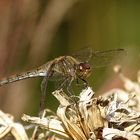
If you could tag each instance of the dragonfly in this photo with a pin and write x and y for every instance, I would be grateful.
(67, 68)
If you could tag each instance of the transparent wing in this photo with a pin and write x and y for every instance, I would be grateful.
(104, 58)
(83, 55)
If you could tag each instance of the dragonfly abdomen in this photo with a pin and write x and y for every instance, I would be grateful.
(11, 79)
(21, 76)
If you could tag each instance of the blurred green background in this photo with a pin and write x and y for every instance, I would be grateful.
(33, 32)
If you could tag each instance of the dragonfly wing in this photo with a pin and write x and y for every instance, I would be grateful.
(104, 58)
(84, 55)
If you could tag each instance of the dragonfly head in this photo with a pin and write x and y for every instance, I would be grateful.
(83, 70)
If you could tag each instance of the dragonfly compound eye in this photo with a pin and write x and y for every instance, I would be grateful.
(84, 66)
(83, 70)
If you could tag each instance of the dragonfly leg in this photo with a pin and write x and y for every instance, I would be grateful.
(67, 83)
(78, 82)
(85, 82)
(69, 87)
(63, 83)
(43, 95)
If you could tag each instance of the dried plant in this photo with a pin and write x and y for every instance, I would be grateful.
(114, 116)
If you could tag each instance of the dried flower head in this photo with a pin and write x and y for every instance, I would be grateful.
(113, 116)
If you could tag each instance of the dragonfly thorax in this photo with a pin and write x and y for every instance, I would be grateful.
(83, 70)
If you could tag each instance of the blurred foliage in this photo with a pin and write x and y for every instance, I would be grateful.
(33, 32)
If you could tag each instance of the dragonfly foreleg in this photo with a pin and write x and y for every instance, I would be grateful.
(69, 87)
(85, 82)
(65, 83)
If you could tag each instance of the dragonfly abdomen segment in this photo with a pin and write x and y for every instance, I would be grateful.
(21, 76)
